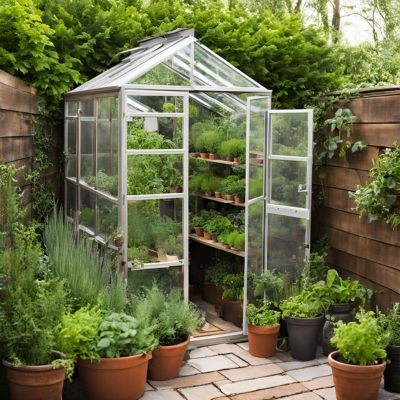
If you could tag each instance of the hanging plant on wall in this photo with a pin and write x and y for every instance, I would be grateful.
(379, 199)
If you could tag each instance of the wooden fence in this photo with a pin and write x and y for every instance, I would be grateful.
(369, 252)
(18, 104)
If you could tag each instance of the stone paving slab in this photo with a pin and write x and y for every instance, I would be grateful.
(307, 374)
(216, 363)
(255, 384)
(244, 345)
(188, 381)
(202, 352)
(206, 392)
(290, 365)
(319, 383)
(303, 396)
(246, 356)
(161, 395)
(327, 393)
(187, 370)
(259, 371)
(237, 360)
(227, 348)
(272, 393)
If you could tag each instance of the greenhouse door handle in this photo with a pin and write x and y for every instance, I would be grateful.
(301, 190)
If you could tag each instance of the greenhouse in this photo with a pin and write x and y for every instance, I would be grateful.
(158, 144)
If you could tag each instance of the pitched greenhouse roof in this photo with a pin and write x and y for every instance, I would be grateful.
(173, 59)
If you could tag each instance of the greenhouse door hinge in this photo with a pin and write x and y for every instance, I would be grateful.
(306, 246)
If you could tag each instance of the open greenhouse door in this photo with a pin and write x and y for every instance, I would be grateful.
(278, 196)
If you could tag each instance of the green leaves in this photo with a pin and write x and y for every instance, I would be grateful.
(262, 315)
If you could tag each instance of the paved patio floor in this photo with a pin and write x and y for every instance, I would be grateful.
(228, 371)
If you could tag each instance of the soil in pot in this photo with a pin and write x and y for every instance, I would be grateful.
(355, 382)
(166, 361)
(114, 378)
(262, 340)
(392, 371)
(303, 336)
(35, 382)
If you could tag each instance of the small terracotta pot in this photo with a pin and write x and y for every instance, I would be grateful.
(239, 200)
(236, 159)
(230, 197)
(114, 378)
(262, 340)
(209, 194)
(204, 155)
(226, 246)
(207, 235)
(218, 195)
(35, 382)
(199, 231)
(214, 237)
(214, 156)
(166, 361)
(228, 158)
(356, 382)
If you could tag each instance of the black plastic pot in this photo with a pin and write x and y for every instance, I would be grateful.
(392, 371)
(303, 336)
(340, 312)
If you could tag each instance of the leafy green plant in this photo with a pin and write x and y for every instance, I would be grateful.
(138, 255)
(263, 315)
(298, 307)
(239, 241)
(218, 224)
(232, 238)
(390, 324)
(232, 147)
(223, 237)
(171, 318)
(238, 189)
(235, 283)
(208, 142)
(378, 199)
(343, 117)
(218, 270)
(360, 343)
(201, 218)
(172, 245)
(227, 185)
(210, 183)
(264, 283)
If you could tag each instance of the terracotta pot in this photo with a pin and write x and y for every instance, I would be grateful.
(226, 246)
(228, 158)
(239, 199)
(214, 237)
(262, 340)
(204, 155)
(207, 235)
(217, 195)
(356, 382)
(229, 197)
(236, 159)
(114, 378)
(35, 382)
(392, 371)
(214, 156)
(209, 194)
(166, 361)
(199, 230)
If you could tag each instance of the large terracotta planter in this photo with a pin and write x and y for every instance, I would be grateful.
(262, 340)
(392, 371)
(355, 382)
(166, 362)
(121, 378)
(303, 336)
(35, 382)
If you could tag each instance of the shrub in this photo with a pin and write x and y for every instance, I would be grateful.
(232, 147)
(235, 283)
(210, 183)
(262, 315)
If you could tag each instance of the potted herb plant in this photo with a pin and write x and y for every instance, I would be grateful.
(112, 351)
(214, 278)
(232, 147)
(263, 327)
(218, 224)
(173, 321)
(117, 237)
(199, 220)
(358, 365)
(210, 184)
(30, 310)
(390, 324)
(227, 185)
(239, 190)
(304, 323)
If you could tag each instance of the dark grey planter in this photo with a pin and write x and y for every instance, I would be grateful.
(392, 371)
(303, 336)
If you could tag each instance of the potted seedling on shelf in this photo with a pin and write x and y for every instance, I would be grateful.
(117, 237)
(232, 299)
(233, 148)
(210, 184)
(227, 186)
(217, 224)
(223, 238)
(199, 220)
(239, 190)
(214, 278)
(208, 143)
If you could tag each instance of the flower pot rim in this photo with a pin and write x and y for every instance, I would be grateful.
(353, 367)
(42, 367)
(392, 348)
(176, 345)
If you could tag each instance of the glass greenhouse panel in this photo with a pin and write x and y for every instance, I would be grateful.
(154, 133)
(71, 166)
(107, 146)
(87, 210)
(212, 71)
(165, 279)
(108, 218)
(88, 140)
(152, 174)
(286, 236)
(72, 109)
(154, 231)
(288, 183)
(71, 206)
(289, 134)
(157, 104)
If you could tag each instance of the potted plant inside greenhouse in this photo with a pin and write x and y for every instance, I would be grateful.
(231, 303)
(112, 351)
(359, 363)
(173, 321)
(227, 186)
(263, 328)
(304, 322)
(31, 307)
(390, 323)
(216, 225)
